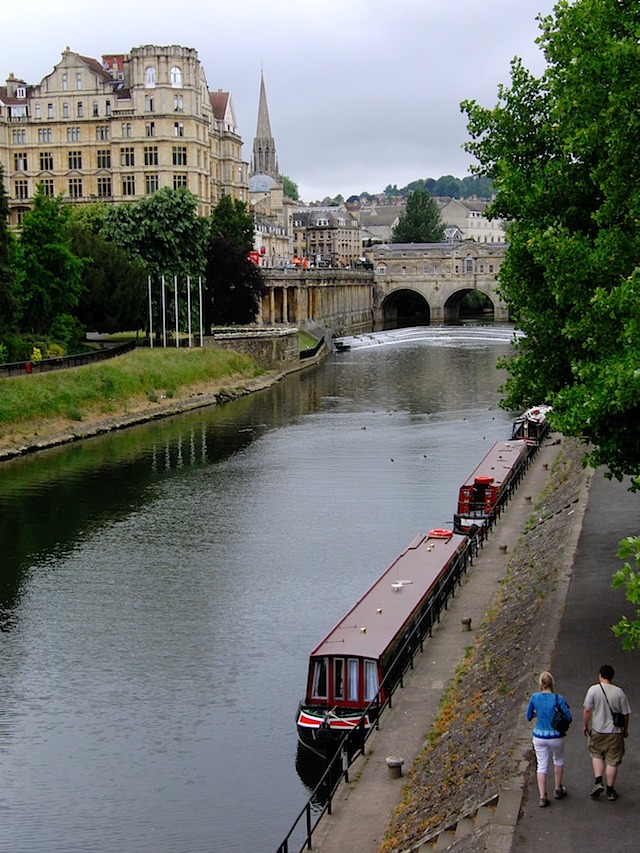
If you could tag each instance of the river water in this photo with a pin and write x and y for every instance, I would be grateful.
(161, 589)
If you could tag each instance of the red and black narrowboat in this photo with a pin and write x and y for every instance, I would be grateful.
(532, 425)
(482, 495)
(348, 668)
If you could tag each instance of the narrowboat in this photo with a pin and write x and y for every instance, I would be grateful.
(482, 495)
(532, 425)
(359, 660)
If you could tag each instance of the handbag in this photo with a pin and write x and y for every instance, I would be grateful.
(560, 722)
(618, 716)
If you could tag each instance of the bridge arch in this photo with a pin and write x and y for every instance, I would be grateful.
(405, 307)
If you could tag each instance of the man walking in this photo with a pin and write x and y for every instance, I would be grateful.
(605, 718)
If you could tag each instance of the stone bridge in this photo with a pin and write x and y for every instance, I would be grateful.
(410, 284)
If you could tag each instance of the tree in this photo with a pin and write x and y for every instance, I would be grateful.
(114, 294)
(52, 272)
(234, 284)
(163, 230)
(420, 222)
(447, 185)
(230, 219)
(9, 279)
(290, 188)
(562, 152)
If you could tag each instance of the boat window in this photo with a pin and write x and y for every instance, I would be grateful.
(338, 678)
(353, 680)
(319, 690)
(370, 680)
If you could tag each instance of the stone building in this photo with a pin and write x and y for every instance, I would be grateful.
(327, 236)
(118, 130)
(468, 215)
(272, 211)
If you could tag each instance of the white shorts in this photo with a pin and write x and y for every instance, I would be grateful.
(548, 747)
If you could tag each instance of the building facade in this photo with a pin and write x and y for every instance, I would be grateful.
(327, 236)
(119, 130)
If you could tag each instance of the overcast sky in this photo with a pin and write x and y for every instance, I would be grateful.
(361, 93)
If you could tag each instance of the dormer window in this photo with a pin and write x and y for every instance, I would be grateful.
(21, 92)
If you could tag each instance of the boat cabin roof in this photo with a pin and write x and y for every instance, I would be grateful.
(373, 622)
(498, 463)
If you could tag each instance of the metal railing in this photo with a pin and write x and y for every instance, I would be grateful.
(19, 368)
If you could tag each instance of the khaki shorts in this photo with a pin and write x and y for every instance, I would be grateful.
(610, 748)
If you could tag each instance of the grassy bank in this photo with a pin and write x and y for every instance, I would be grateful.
(114, 386)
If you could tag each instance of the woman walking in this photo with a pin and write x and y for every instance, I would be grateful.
(547, 741)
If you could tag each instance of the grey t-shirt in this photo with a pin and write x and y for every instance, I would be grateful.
(601, 719)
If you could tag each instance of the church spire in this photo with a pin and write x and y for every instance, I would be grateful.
(264, 160)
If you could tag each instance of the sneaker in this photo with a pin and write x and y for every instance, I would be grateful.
(612, 794)
(597, 789)
(560, 792)
(544, 802)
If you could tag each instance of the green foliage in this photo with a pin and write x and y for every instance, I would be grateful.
(163, 230)
(115, 286)
(9, 279)
(629, 578)
(231, 220)
(234, 285)
(68, 331)
(420, 222)
(447, 185)
(290, 188)
(562, 152)
(52, 273)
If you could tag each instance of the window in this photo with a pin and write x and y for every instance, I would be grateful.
(75, 159)
(338, 678)
(319, 687)
(104, 187)
(178, 103)
(148, 103)
(49, 110)
(179, 153)
(47, 187)
(151, 184)
(20, 161)
(21, 92)
(102, 132)
(126, 130)
(78, 80)
(150, 128)
(104, 158)
(65, 84)
(21, 188)
(45, 134)
(46, 161)
(178, 128)
(370, 680)
(150, 76)
(38, 111)
(79, 109)
(127, 157)
(179, 181)
(65, 110)
(354, 693)
(151, 155)
(19, 137)
(128, 185)
(175, 76)
(469, 264)
(94, 109)
(75, 187)
(73, 134)
(107, 108)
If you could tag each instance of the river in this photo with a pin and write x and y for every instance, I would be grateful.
(161, 589)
